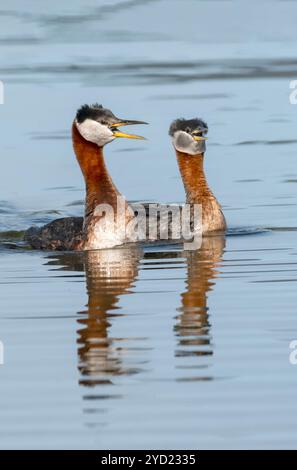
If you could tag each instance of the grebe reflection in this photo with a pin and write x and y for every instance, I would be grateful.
(193, 329)
(110, 274)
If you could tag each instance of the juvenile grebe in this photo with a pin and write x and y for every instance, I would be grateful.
(188, 137)
(93, 128)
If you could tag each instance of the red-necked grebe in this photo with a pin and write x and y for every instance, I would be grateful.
(188, 137)
(93, 128)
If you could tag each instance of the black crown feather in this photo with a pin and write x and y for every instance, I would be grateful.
(188, 125)
(95, 112)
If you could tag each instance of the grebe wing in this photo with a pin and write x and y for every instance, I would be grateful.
(60, 234)
(66, 233)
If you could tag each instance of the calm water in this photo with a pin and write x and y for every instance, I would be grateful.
(150, 347)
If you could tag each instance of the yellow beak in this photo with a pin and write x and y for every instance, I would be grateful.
(199, 137)
(128, 136)
(126, 122)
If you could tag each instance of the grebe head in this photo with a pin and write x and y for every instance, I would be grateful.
(188, 135)
(100, 126)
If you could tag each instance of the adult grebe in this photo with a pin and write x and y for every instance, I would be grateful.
(93, 128)
(188, 137)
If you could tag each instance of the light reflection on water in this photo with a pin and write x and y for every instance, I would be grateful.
(155, 325)
(193, 328)
(111, 274)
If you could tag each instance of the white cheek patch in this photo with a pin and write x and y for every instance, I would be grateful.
(183, 142)
(95, 132)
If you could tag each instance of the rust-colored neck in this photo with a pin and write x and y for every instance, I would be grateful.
(193, 176)
(198, 191)
(100, 189)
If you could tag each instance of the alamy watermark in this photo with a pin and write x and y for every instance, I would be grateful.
(293, 94)
(1, 353)
(1, 92)
(293, 353)
(150, 222)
